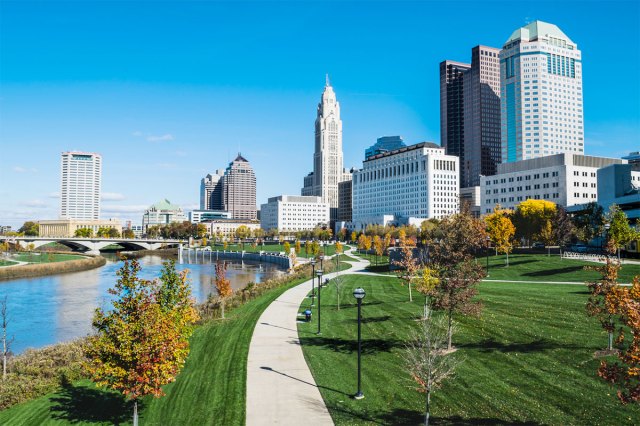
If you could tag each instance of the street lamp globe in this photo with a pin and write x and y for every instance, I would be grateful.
(313, 262)
(359, 293)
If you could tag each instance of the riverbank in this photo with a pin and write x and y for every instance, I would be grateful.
(84, 263)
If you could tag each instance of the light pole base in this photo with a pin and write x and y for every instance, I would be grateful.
(359, 395)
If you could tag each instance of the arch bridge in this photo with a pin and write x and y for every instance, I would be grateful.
(94, 245)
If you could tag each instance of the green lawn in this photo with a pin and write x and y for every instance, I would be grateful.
(4, 262)
(539, 267)
(45, 257)
(527, 360)
(330, 249)
(210, 390)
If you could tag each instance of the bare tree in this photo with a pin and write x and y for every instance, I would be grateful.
(426, 357)
(6, 342)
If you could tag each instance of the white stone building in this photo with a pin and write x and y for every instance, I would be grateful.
(81, 175)
(162, 213)
(226, 228)
(405, 186)
(541, 94)
(328, 161)
(566, 179)
(294, 213)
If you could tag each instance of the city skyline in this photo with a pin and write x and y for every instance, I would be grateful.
(163, 112)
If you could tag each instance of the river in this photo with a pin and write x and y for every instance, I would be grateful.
(59, 308)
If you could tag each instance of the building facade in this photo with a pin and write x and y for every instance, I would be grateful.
(162, 213)
(80, 188)
(470, 113)
(384, 144)
(66, 228)
(239, 183)
(328, 162)
(566, 179)
(197, 216)
(294, 213)
(541, 94)
(406, 186)
(345, 209)
(212, 192)
(226, 228)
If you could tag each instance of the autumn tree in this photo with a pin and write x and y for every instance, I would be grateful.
(426, 358)
(30, 229)
(501, 230)
(451, 253)
(113, 233)
(377, 247)
(425, 285)
(128, 233)
(547, 235)
(223, 284)
(287, 248)
(315, 248)
(407, 266)
(297, 247)
(354, 235)
(342, 235)
(530, 216)
(624, 304)
(597, 303)
(83, 233)
(386, 242)
(142, 343)
(241, 233)
(620, 232)
(307, 247)
(589, 223)
(564, 229)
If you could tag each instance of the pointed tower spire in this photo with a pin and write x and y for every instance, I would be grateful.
(327, 83)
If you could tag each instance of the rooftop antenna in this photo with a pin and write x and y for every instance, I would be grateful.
(327, 83)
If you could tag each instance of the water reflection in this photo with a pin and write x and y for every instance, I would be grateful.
(47, 310)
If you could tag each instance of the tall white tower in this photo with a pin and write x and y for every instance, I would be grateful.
(328, 163)
(541, 94)
(81, 175)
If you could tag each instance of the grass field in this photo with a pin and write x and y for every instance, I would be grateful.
(539, 267)
(4, 262)
(527, 360)
(45, 257)
(210, 390)
(330, 250)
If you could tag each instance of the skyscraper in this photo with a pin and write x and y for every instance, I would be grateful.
(328, 162)
(239, 189)
(470, 113)
(81, 174)
(211, 191)
(384, 144)
(541, 93)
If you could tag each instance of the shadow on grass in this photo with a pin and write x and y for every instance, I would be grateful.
(548, 272)
(511, 262)
(84, 403)
(490, 345)
(377, 268)
(369, 346)
(303, 381)
(383, 318)
(457, 420)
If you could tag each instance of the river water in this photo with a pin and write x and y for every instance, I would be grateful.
(58, 308)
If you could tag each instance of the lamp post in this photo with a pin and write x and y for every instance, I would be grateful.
(319, 273)
(359, 294)
(321, 257)
(488, 240)
(313, 280)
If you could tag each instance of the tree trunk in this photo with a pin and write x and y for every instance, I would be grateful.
(222, 306)
(426, 307)
(507, 259)
(610, 345)
(4, 356)
(426, 414)
(410, 296)
(450, 330)
(135, 413)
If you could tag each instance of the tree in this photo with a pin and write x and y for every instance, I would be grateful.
(315, 248)
(624, 304)
(242, 232)
(339, 247)
(153, 231)
(342, 234)
(287, 248)
(386, 243)
(6, 342)
(547, 235)
(128, 233)
(426, 359)
(30, 229)
(297, 247)
(307, 247)
(201, 230)
(452, 246)
(143, 342)
(377, 247)
(84, 233)
(425, 285)
(113, 233)
(564, 229)
(223, 284)
(354, 235)
(501, 230)
(589, 222)
(530, 216)
(408, 266)
(620, 233)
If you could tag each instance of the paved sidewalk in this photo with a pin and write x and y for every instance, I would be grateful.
(280, 387)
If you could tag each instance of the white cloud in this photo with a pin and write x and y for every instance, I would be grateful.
(38, 204)
(54, 194)
(139, 208)
(112, 196)
(19, 169)
(163, 138)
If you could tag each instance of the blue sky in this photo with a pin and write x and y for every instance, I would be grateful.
(169, 91)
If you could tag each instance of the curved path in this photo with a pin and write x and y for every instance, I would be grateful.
(280, 387)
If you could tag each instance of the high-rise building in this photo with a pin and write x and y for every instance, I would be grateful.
(541, 94)
(211, 191)
(81, 174)
(384, 144)
(239, 189)
(470, 113)
(162, 213)
(328, 162)
(294, 213)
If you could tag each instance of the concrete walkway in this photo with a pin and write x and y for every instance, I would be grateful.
(280, 387)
